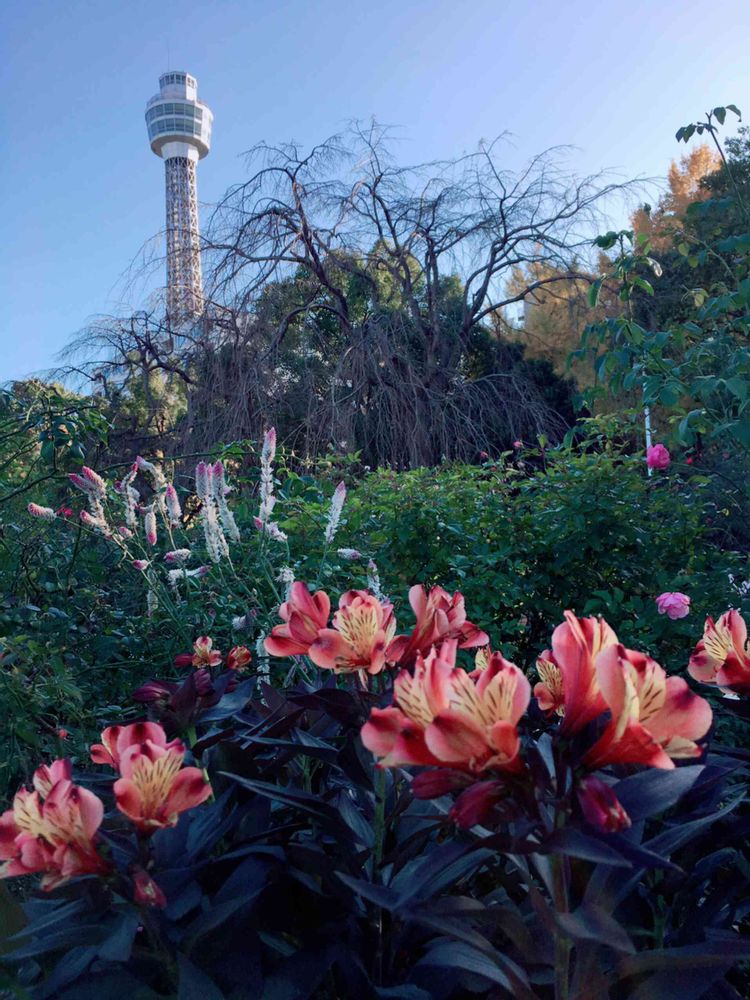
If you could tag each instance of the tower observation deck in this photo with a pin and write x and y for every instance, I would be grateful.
(179, 130)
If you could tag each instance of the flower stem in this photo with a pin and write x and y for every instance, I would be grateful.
(379, 823)
(562, 942)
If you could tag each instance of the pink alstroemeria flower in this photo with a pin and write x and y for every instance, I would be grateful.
(655, 718)
(444, 717)
(440, 616)
(117, 739)
(722, 656)
(52, 829)
(568, 684)
(154, 787)
(362, 631)
(204, 655)
(304, 615)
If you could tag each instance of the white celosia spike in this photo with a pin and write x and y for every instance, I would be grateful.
(132, 499)
(46, 513)
(271, 529)
(220, 491)
(267, 499)
(177, 556)
(152, 603)
(351, 555)
(202, 482)
(334, 514)
(373, 580)
(261, 658)
(149, 526)
(175, 575)
(268, 451)
(98, 524)
(96, 485)
(173, 505)
(286, 576)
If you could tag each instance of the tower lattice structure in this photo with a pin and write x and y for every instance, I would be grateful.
(179, 128)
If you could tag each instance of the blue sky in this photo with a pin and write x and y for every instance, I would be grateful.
(80, 191)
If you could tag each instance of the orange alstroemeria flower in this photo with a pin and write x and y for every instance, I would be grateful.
(655, 718)
(304, 615)
(154, 787)
(52, 829)
(238, 658)
(204, 655)
(440, 616)
(443, 716)
(722, 656)
(568, 683)
(362, 630)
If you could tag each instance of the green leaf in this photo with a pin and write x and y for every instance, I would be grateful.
(594, 291)
(737, 385)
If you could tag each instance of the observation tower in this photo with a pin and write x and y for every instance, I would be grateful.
(179, 130)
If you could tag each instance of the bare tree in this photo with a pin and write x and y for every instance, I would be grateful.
(351, 300)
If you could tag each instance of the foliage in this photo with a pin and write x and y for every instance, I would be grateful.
(348, 295)
(696, 368)
(312, 875)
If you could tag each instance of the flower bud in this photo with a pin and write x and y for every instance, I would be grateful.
(153, 691)
(202, 682)
(601, 807)
(146, 891)
(476, 804)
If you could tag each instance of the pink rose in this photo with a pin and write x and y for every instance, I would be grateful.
(673, 604)
(657, 457)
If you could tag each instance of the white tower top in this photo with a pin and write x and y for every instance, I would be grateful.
(178, 123)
